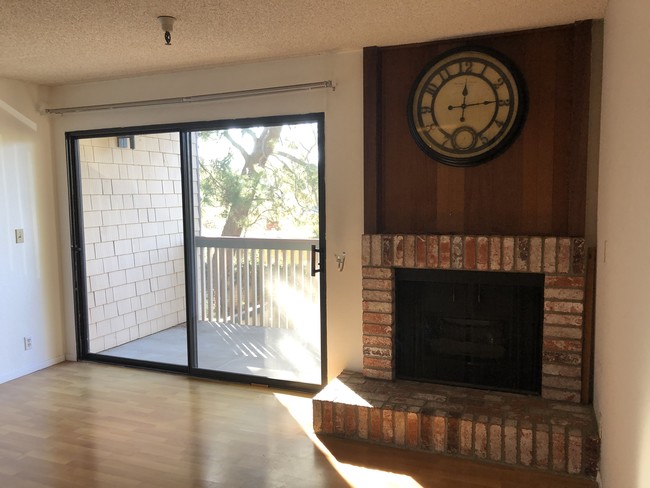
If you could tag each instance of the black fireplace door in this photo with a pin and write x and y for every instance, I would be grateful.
(478, 329)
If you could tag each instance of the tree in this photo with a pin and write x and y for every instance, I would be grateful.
(262, 177)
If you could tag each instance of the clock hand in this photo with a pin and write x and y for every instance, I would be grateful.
(465, 92)
(465, 105)
(486, 102)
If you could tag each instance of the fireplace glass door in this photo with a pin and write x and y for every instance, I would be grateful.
(470, 328)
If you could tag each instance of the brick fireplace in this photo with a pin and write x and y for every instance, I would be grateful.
(560, 259)
(523, 213)
(548, 432)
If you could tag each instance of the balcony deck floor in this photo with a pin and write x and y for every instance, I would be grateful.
(260, 351)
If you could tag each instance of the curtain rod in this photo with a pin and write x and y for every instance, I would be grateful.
(195, 98)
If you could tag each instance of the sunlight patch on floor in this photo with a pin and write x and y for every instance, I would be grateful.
(344, 394)
(301, 410)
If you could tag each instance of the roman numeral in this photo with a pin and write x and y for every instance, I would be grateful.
(444, 74)
(431, 88)
(465, 66)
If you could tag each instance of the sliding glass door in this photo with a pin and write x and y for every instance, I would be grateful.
(197, 248)
(258, 295)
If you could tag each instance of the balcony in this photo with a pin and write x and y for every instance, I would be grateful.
(257, 312)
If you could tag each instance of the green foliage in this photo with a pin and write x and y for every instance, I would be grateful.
(262, 179)
(218, 183)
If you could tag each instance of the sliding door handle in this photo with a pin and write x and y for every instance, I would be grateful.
(314, 250)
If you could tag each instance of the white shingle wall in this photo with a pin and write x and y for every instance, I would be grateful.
(133, 230)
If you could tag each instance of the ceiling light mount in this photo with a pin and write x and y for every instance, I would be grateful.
(167, 24)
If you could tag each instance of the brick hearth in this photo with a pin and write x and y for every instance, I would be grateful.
(499, 427)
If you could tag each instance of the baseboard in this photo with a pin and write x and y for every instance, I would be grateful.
(71, 357)
(12, 375)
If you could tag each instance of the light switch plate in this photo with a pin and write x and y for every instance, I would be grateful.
(20, 236)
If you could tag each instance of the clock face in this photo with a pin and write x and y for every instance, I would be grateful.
(467, 106)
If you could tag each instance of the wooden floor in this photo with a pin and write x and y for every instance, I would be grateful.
(92, 425)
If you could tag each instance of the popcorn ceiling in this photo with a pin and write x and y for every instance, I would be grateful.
(53, 42)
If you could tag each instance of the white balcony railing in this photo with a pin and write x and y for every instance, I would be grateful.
(259, 282)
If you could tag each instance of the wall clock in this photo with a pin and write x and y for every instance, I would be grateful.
(467, 106)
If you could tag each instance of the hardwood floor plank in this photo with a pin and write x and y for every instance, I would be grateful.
(80, 425)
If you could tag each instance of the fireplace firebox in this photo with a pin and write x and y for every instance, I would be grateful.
(469, 328)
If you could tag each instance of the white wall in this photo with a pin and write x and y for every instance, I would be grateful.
(343, 158)
(622, 381)
(30, 297)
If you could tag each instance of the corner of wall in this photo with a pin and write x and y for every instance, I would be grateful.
(30, 301)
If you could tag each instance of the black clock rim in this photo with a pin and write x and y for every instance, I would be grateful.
(518, 123)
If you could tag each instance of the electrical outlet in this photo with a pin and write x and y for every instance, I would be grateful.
(20, 236)
(28, 343)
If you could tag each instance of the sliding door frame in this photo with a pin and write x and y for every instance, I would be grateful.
(79, 256)
(79, 250)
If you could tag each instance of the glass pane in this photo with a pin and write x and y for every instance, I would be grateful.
(133, 231)
(257, 217)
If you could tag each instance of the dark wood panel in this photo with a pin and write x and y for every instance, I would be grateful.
(407, 166)
(450, 200)
(538, 138)
(371, 139)
(562, 128)
(580, 112)
(536, 187)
